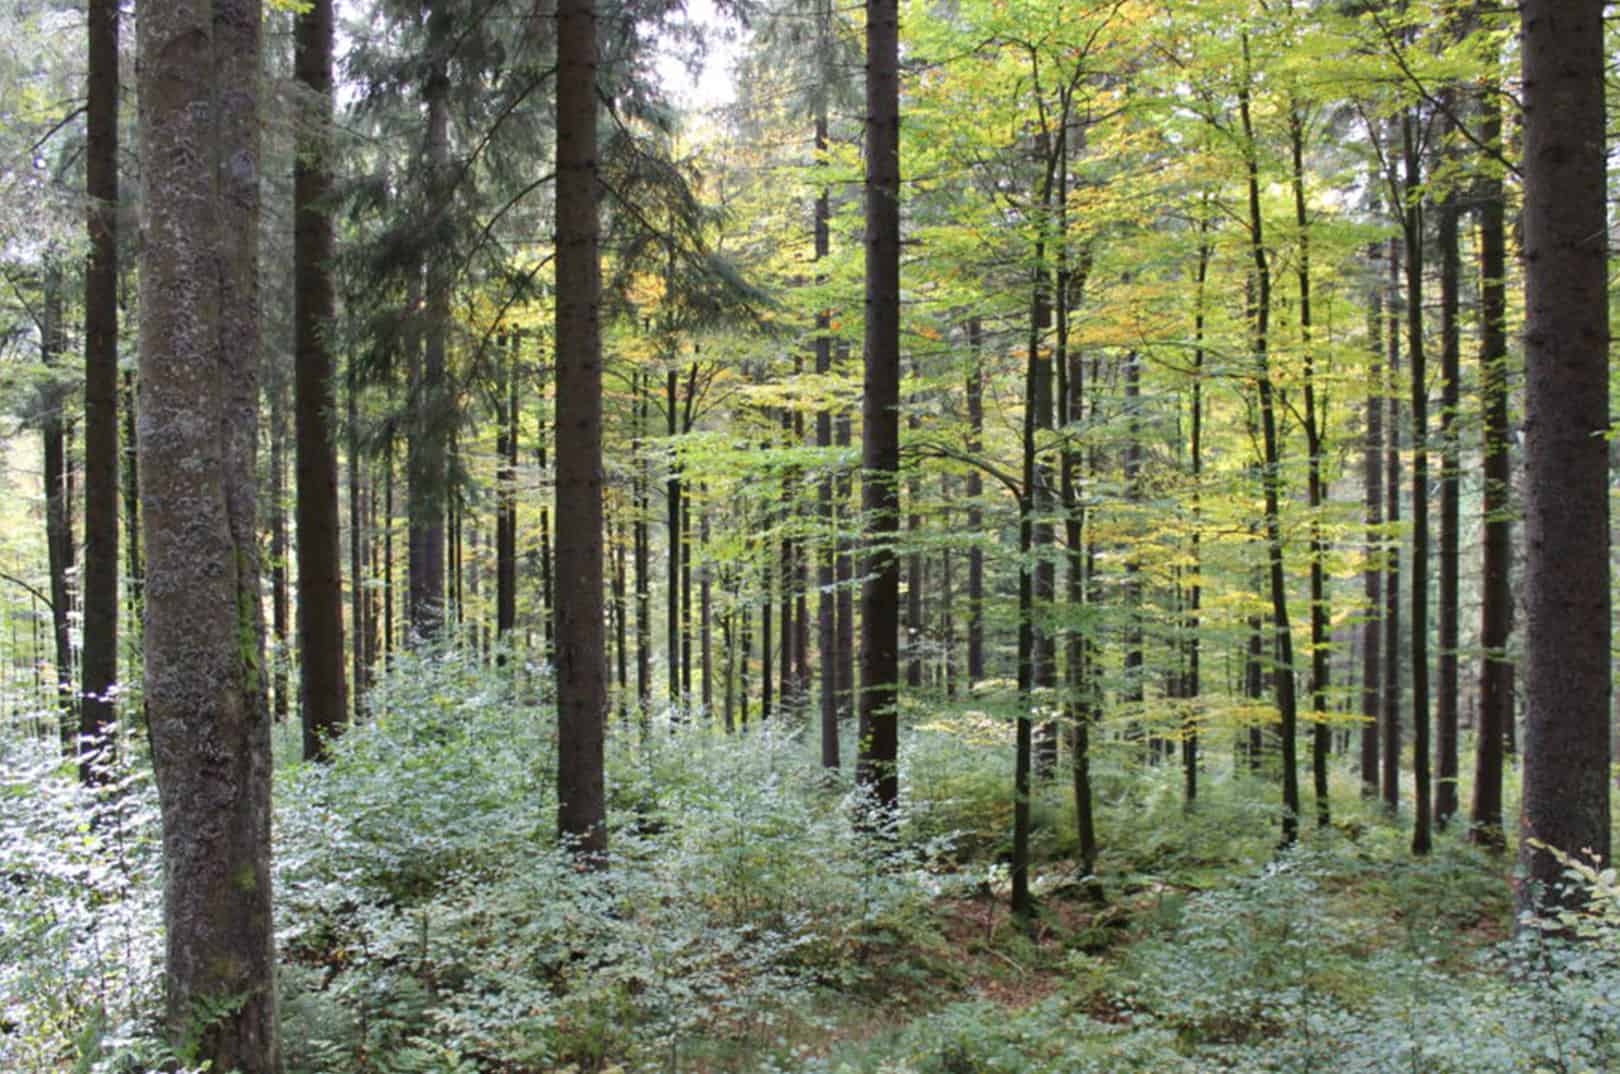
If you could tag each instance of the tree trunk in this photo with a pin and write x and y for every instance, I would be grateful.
(507, 447)
(1372, 457)
(975, 490)
(1566, 587)
(204, 636)
(281, 649)
(1272, 475)
(1391, 776)
(1446, 701)
(1496, 594)
(427, 449)
(320, 571)
(581, 663)
(827, 548)
(880, 439)
(1315, 419)
(101, 456)
(1412, 226)
(58, 508)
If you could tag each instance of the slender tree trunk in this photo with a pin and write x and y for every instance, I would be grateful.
(1446, 706)
(880, 439)
(581, 661)
(643, 556)
(672, 529)
(58, 508)
(705, 616)
(1372, 456)
(827, 549)
(101, 456)
(1272, 476)
(427, 448)
(204, 642)
(1392, 578)
(134, 561)
(844, 577)
(1565, 805)
(507, 448)
(280, 588)
(1413, 228)
(975, 490)
(1315, 419)
(1194, 687)
(359, 543)
(324, 708)
(1496, 594)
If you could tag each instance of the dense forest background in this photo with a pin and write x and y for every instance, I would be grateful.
(1026, 536)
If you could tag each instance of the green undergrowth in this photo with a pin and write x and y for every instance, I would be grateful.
(429, 921)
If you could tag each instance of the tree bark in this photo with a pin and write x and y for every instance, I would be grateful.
(1391, 753)
(58, 507)
(101, 454)
(1446, 700)
(320, 572)
(198, 430)
(1272, 474)
(1412, 226)
(427, 449)
(581, 661)
(1565, 806)
(1496, 594)
(1372, 457)
(975, 490)
(880, 440)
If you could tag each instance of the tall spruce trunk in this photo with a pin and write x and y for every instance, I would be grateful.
(1496, 594)
(1565, 807)
(1446, 699)
(1412, 227)
(99, 656)
(1390, 777)
(827, 548)
(880, 441)
(320, 572)
(581, 660)
(427, 449)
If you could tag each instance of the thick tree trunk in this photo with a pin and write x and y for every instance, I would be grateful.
(1566, 587)
(880, 440)
(101, 456)
(581, 661)
(1496, 594)
(198, 427)
(320, 572)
